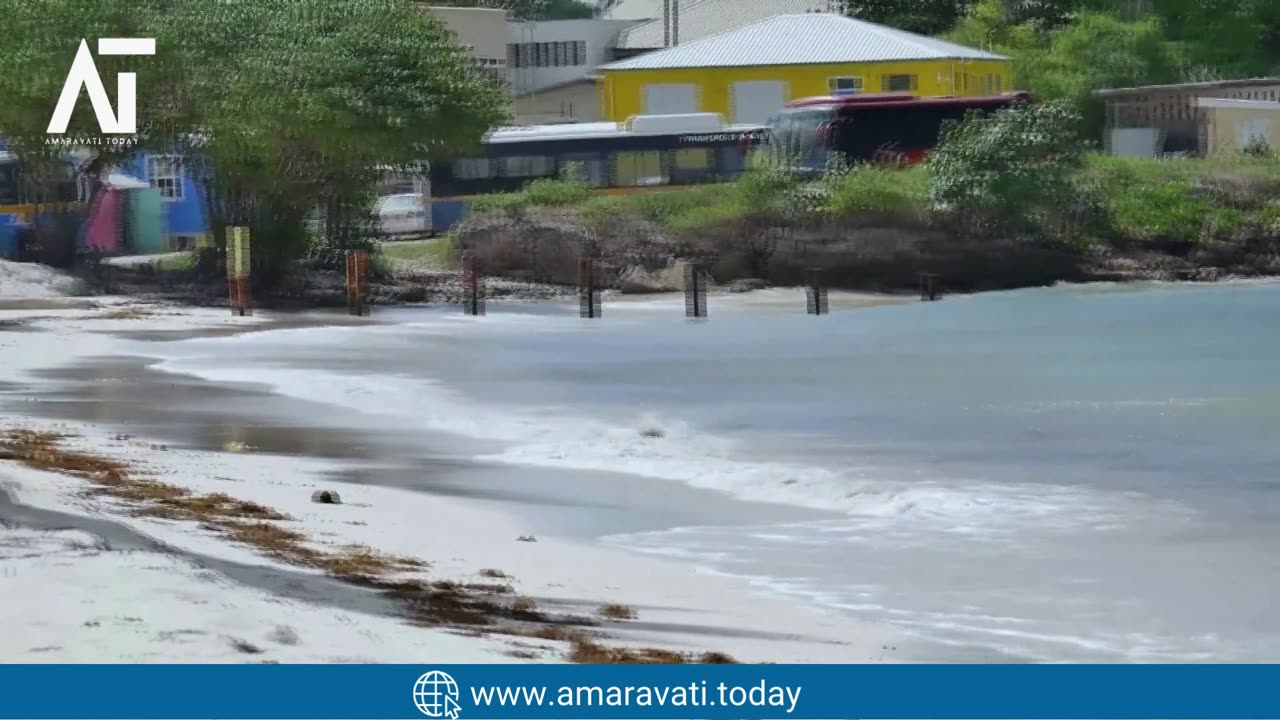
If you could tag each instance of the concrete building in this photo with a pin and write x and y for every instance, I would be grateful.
(481, 30)
(748, 74)
(1232, 126)
(550, 65)
(1151, 120)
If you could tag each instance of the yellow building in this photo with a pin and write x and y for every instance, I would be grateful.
(748, 74)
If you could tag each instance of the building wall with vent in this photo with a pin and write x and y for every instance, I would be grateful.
(627, 92)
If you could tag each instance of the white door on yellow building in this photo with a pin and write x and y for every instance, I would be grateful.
(755, 100)
(670, 98)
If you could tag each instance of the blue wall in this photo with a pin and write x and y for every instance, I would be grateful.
(186, 216)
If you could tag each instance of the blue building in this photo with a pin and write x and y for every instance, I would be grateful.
(183, 198)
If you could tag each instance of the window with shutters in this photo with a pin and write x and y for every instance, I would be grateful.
(899, 83)
(164, 172)
(846, 84)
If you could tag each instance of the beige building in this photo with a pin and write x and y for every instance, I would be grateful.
(482, 30)
(1155, 119)
(569, 102)
(1232, 125)
(551, 64)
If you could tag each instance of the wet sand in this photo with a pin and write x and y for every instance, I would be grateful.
(124, 394)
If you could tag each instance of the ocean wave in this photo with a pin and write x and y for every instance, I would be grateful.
(658, 446)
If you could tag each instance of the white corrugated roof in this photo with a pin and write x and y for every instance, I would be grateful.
(702, 18)
(805, 39)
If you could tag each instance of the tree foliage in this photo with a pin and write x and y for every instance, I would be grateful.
(278, 105)
(1006, 166)
(927, 17)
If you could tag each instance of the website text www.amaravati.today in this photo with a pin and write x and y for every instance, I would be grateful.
(696, 694)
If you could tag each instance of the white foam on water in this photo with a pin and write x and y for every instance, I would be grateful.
(27, 281)
(664, 447)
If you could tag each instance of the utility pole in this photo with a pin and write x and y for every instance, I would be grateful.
(675, 22)
(666, 23)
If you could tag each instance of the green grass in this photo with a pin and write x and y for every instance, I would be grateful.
(872, 189)
(437, 251)
(176, 263)
(1187, 200)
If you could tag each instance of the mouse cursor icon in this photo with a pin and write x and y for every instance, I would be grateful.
(451, 708)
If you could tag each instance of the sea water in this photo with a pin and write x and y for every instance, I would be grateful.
(1078, 473)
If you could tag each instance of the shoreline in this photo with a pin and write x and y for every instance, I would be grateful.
(679, 607)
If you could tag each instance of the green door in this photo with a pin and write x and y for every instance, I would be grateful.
(148, 224)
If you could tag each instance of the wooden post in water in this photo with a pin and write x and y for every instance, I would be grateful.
(238, 270)
(588, 292)
(357, 281)
(695, 291)
(928, 287)
(473, 290)
(816, 293)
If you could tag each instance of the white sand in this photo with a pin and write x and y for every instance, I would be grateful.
(67, 598)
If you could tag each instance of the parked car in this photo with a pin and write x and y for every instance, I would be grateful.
(404, 214)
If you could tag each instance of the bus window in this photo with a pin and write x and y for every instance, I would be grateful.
(732, 161)
(8, 184)
(526, 166)
(631, 169)
(590, 166)
(691, 166)
(473, 169)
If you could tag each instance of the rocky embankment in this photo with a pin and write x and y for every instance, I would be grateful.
(885, 255)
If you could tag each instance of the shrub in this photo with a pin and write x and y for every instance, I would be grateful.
(557, 193)
(1004, 167)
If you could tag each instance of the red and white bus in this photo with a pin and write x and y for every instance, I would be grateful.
(894, 128)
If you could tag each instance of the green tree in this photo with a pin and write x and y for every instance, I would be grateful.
(1007, 167)
(279, 105)
(1098, 51)
(927, 17)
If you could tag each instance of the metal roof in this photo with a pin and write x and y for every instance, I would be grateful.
(582, 131)
(805, 39)
(703, 18)
(1210, 85)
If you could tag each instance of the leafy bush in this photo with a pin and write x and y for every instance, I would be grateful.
(1004, 167)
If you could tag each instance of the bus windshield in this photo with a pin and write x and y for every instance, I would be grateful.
(810, 136)
(796, 140)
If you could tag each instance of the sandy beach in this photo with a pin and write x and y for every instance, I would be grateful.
(87, 577)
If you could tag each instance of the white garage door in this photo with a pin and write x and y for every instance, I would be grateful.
(670, 99)
(755, 101)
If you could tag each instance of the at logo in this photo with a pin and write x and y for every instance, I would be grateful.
(84, 74)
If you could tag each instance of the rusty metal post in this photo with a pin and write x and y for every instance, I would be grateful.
(816, 293)
(238, 270)
(473, 289)
(695, 291)
(357, 282)
(588, 291)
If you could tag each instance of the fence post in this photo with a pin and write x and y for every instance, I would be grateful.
(473, 289)
(695, 291)
(816, 293)
(357, 281)
(588, 292)
(238, 269)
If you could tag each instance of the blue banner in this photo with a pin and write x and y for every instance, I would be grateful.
(475, 692)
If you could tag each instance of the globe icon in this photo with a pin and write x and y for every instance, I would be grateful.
(436, 695)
